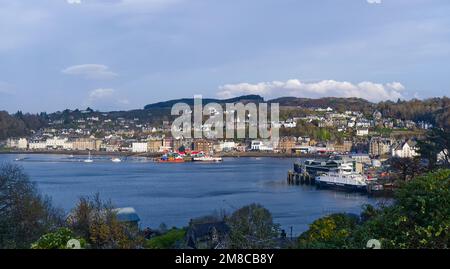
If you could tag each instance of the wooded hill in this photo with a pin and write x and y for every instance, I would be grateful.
(434, 110)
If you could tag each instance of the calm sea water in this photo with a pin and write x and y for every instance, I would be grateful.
(175, 193)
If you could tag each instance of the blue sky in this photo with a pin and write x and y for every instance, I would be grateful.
(123, 54)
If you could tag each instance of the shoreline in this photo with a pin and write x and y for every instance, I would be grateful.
(156, 155)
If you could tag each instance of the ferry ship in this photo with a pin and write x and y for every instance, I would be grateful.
(316, 168)
(343, 179)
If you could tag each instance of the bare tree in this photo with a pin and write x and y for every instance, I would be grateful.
(25, 215)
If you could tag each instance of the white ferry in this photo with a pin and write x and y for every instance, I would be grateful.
(344, 179)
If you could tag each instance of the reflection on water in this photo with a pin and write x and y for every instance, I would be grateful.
(175, 193)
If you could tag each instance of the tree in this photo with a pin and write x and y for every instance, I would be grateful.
(437, 141)
(24, 214)
(97, 222)
(252, 227)
(419, 218)
(329, 232)
(169, 240)
(408, 168)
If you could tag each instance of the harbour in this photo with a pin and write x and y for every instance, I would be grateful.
(177, 193)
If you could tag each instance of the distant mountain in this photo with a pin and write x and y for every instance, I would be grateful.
(190, 101)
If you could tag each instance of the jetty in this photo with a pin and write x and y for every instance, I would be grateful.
(295, 178)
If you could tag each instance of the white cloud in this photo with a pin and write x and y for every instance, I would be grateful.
(99, 94)
(120, 6)
(90, 71)
(106, 98)
(374, 1)
(74, 2)
(294, 87)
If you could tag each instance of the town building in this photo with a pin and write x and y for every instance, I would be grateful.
(139, 147)
(343, 147)
(155, 145)
(202, 145)
(207, 235)
(287, 144)
(21, 143)
(362, 132)
(37, 145)
(258, 145)
(380, 146)
(407, 149)
(84, 144)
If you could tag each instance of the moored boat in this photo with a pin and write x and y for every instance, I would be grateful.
(89, 159)
(207, 159)
(343, 180)
(116, 160)
(171, 158)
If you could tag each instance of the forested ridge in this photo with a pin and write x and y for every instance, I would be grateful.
(434, 110)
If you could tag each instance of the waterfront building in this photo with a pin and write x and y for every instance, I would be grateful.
(287, 144)
(259, 145)
(84, 144)
(139, 147)
(202, 145)
(58, 143)
(155, 145)
(37, 145)
(21, 143)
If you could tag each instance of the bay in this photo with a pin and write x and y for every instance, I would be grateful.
(175, 193)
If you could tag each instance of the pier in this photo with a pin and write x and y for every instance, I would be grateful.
(294, 178)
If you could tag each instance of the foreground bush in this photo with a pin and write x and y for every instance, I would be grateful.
(169, 240)
(97, 222)
(418, 218)
(57, 240)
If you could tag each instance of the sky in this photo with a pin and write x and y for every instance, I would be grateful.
(124, 54)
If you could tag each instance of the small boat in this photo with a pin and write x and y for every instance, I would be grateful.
(208, 159)
(116, 160)
(171, 161)
(89, 159)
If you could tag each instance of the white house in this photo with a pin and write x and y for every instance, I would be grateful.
(406, 149)
(58, 143)
(37, 145)
(139, 147)
(442, 156)
(21, 143)
(226, 146)
(362, 132)
(259, 145)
